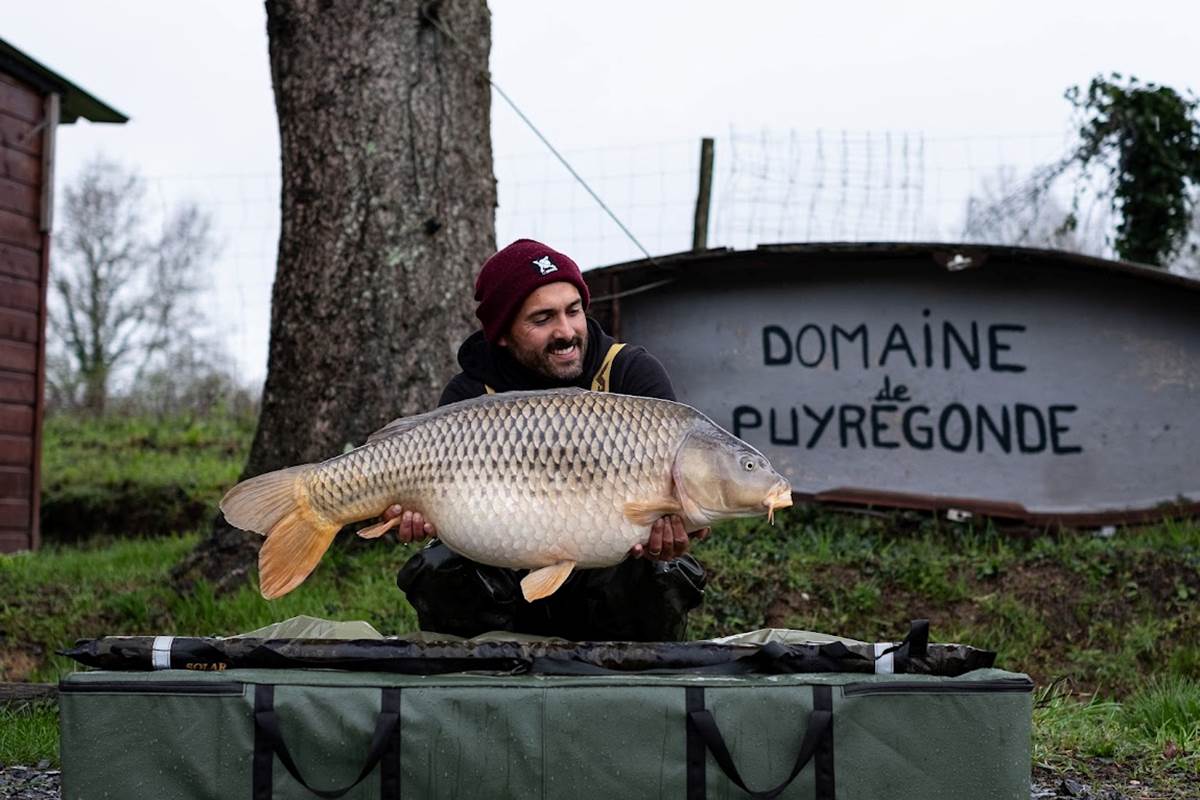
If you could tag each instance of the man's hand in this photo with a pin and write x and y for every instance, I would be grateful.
(413, 527)
(668, 540)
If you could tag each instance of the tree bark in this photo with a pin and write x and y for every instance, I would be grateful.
(388, 204)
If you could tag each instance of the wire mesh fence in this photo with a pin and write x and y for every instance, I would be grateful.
(768, 187)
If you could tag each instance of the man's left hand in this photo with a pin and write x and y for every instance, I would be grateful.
(668, 540)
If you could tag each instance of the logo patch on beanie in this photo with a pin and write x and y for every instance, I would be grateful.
(545, 265)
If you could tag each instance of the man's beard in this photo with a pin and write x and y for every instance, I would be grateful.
(541, 362)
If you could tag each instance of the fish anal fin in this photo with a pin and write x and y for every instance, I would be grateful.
(645, 512)
(545, 581)
(377, 530)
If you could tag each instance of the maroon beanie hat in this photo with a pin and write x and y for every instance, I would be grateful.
(512, 274)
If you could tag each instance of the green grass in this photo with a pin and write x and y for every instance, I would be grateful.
(1153, 736)
(137, 475)
(1117, 618)
(1109, 613)
(29, 733)
(61, 594)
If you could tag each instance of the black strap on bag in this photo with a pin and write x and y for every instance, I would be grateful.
(703, 734)
(269, 744)
(914, 646)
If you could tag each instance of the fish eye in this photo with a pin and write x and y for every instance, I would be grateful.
(749, 466)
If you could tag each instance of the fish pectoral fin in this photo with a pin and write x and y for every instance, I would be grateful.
(545, 581)
(375, 531)
(645, 512)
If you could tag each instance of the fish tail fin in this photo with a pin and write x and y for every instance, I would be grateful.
(276, 504)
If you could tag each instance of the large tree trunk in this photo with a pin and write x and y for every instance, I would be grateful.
(388, 210)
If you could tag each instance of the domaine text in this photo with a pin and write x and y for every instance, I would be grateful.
(893, 417)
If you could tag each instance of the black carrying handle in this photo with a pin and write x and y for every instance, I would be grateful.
(819, 725)
(267, 724)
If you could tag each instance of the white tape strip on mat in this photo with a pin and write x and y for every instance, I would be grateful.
(884, 664)
(162, 652)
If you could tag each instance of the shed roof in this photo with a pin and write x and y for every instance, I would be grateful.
(76, 102)
(660, 270)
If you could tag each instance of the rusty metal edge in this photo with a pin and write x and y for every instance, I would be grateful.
(999, 510)
(982, 254)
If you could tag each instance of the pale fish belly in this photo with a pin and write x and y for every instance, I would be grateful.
(506, 530)
(529, 482)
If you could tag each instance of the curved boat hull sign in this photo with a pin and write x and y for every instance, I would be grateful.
(1036, 385)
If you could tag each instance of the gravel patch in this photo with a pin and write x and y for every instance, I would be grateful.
(38, 782)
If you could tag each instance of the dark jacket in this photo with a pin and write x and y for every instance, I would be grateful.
(634, 371)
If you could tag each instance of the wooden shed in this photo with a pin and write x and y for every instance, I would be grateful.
(33, 102)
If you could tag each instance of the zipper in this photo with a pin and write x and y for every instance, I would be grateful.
(224, 688)
(1001, 685)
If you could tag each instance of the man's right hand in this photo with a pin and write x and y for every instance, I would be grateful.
(413, 527)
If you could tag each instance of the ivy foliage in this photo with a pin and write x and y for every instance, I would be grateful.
(1148, 138)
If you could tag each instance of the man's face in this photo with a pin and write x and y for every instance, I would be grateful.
(549, 333)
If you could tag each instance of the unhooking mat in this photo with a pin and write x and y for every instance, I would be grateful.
(776, 717)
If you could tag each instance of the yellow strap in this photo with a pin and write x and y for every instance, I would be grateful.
(600, 382)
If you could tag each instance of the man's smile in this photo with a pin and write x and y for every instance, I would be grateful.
(568, 351)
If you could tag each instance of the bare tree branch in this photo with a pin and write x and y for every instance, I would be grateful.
(120, 294)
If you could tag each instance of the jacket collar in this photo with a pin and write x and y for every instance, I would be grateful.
(494, 365)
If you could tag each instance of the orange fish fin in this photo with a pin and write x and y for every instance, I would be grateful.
(276, 504)
(645, 512)
(375, 531)
(545, 581)
(257, 504)
(292, 550)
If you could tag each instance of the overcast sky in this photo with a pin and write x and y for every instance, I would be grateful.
(915, 102)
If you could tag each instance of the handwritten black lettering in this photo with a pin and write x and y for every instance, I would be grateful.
(1019, 428)
(946, 427)
(800, 345)
(925, 439)
(996, 347)
(1024, 414)
(822, 421)
(897, 340)
(741, 417)
(1057, 429)
(879, 426)
(851, 418)
(794, 438)
(1002, 435)
(778, 336)
(970, 353)
(850, 336)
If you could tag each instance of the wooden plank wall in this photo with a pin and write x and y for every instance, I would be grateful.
(22, 311)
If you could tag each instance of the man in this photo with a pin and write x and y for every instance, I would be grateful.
(535, 335)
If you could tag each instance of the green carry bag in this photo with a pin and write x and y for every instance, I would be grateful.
(284, 734)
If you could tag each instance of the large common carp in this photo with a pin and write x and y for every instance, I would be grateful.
(547, 481)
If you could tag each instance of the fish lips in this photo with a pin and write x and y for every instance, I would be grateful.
(779, 497)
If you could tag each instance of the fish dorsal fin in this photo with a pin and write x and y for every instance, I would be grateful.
(545, 581)
(647, 512)
(402, 424)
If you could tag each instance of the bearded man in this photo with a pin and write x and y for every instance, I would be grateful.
(536, 335)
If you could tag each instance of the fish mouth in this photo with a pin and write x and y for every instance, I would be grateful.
(779, 497)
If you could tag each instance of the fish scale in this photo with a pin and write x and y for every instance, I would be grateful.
(587, 447)
(529, 480)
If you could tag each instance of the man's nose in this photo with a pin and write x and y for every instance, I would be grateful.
(562, 327)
